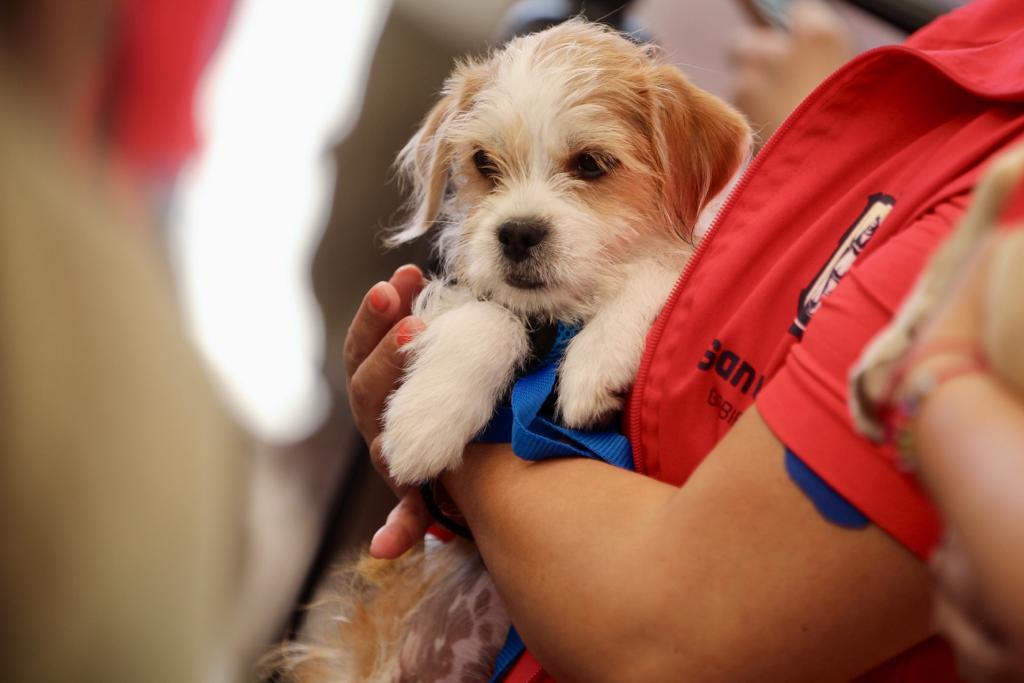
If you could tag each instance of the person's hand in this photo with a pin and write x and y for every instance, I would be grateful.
(970, 611)
(777, 69)
(983, 653)
(373, 367)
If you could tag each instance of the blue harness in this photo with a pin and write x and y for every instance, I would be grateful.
(526, 423)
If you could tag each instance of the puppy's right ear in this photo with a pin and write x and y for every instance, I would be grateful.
(424, 164)
(700, 141)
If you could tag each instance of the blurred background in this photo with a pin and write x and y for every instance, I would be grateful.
(253, 140)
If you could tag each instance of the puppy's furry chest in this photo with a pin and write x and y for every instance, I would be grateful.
(544, 337)
(463, 364)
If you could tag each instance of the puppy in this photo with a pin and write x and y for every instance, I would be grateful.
(872, 376)
(564, 176)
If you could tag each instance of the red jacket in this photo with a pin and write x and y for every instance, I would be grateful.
(159, 50)
(819, 243)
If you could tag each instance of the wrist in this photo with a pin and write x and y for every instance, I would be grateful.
(483, 466)
(443, 509)
(452, 482)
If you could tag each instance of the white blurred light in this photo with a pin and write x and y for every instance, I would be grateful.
(285, 85)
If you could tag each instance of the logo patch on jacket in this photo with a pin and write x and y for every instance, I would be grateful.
(851, 244)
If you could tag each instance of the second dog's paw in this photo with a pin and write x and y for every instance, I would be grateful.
(871, 379)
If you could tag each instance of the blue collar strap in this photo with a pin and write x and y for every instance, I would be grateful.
(527, 421)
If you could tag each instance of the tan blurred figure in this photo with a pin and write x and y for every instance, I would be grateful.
(120, 477)
(777, 69)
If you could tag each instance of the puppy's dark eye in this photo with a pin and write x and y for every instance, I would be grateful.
(589, 167)
(485, 164)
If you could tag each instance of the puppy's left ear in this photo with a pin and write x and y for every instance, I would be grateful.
(700, 142)
(424, 164)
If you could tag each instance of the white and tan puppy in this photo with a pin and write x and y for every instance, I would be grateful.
(566, 176)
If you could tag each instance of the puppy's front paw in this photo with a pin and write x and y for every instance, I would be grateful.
(420, 438)
(583, 407)
(871, 378)
(593, 381)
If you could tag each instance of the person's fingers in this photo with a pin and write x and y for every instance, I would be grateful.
(813, 19)
(758, 48)
(953, 577)
(404, 528)
(751, 89)
(979, 659)
(819, 38)
(376, 315)
(407, 281)
(960, 615)
(378, 374)
(757, 96)
(383, 305)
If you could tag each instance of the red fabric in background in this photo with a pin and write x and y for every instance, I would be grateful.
(158, 52)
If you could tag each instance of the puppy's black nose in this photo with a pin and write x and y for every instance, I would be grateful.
(519, 236)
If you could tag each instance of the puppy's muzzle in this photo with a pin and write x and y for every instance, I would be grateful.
(519, 237)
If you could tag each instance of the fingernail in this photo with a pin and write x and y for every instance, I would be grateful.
(409, 268)
(407, 331)
(378, 299)
(374, 550)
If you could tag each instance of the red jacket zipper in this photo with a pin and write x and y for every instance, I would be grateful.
(659, 324)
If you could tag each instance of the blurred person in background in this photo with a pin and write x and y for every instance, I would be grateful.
(790, 48)
(121, 478)
(776, 68)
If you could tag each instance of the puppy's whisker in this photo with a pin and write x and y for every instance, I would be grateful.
(613, 12)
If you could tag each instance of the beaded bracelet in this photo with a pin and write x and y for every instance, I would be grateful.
(912, 384)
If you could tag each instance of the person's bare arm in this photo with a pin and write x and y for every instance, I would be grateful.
(610, 575)
(735, 576)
